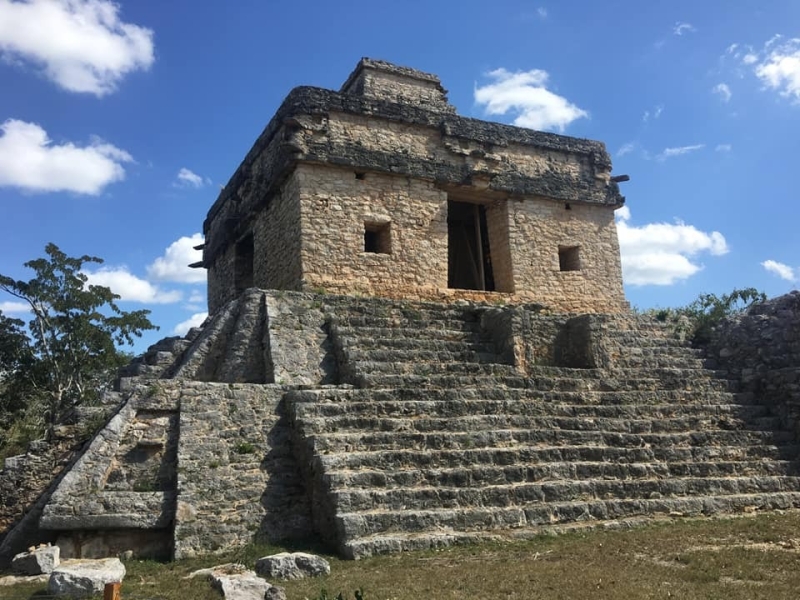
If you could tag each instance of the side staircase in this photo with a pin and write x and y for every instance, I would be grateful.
(439, 442)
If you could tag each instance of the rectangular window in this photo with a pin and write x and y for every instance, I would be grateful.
(569, 258)
(377, 238)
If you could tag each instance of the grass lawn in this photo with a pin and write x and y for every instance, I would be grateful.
(738, 558)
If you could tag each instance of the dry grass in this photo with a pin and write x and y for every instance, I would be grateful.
(741, 558)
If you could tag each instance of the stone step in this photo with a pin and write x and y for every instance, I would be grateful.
(691, 373)
(451, 379)
(629, 340)
(660, 362)
(508, 399)
(366, 534)
(419, 356)
(630, 380)
(479, 475)
(420, 368)
(427, 409)
(390, 322)
(655, 351)
(521, 494)
(400, 440)
(405, 311)
(355, 335)
(416, 344)
(475, 423)
(395, 459)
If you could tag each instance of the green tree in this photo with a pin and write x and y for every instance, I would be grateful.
(697, 320)
(17, 364)
(74, 332)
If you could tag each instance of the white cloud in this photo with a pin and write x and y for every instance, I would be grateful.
(781, 270)
(525, 94)
(654, 114)
(663, 253)
(723, 90)
(14, 308)
(779, 68)
(81, 45)
(195, 320)
(187, 178)
(542, 12)
(681, 28)
(777, 64)
(130, 287)
(174, 264)
(197, 296)
(626, 148)
(678, 151)
(30, 161)
(723, 148)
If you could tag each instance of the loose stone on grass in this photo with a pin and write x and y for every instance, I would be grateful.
(37, 561)
(292, 565)
(80, 578)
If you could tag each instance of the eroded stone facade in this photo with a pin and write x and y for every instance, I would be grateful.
(381, 189)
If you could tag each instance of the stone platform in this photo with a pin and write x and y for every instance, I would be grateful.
(384, 425)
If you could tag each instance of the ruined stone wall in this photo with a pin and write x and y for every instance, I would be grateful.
(235, 453)
(451, 151)
(538, 228)
(396, 85)
(24, 483)
(336, 208)
(761, 348)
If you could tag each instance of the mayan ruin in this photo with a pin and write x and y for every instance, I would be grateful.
(417, 337)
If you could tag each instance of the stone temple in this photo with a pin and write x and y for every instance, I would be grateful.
(380, 189)
(417, 337)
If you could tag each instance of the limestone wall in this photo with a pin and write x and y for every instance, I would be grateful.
(336, 208)
(276, 236)
(221, 289)
(235, 453)
(538, 228)
(525, 237)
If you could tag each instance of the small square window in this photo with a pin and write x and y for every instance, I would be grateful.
(377, 238)
(569, 258)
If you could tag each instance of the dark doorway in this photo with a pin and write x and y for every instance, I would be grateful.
(243, 264)
(469, 262)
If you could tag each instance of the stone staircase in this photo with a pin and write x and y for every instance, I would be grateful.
(417, 345)
(439, 442)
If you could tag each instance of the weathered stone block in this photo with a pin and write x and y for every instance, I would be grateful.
(36, 562)
(82, 578)
(292, 565)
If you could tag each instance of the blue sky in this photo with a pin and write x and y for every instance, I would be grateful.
(121, 121)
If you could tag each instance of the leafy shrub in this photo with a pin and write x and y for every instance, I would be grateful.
(245, 448)
(697, 320)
